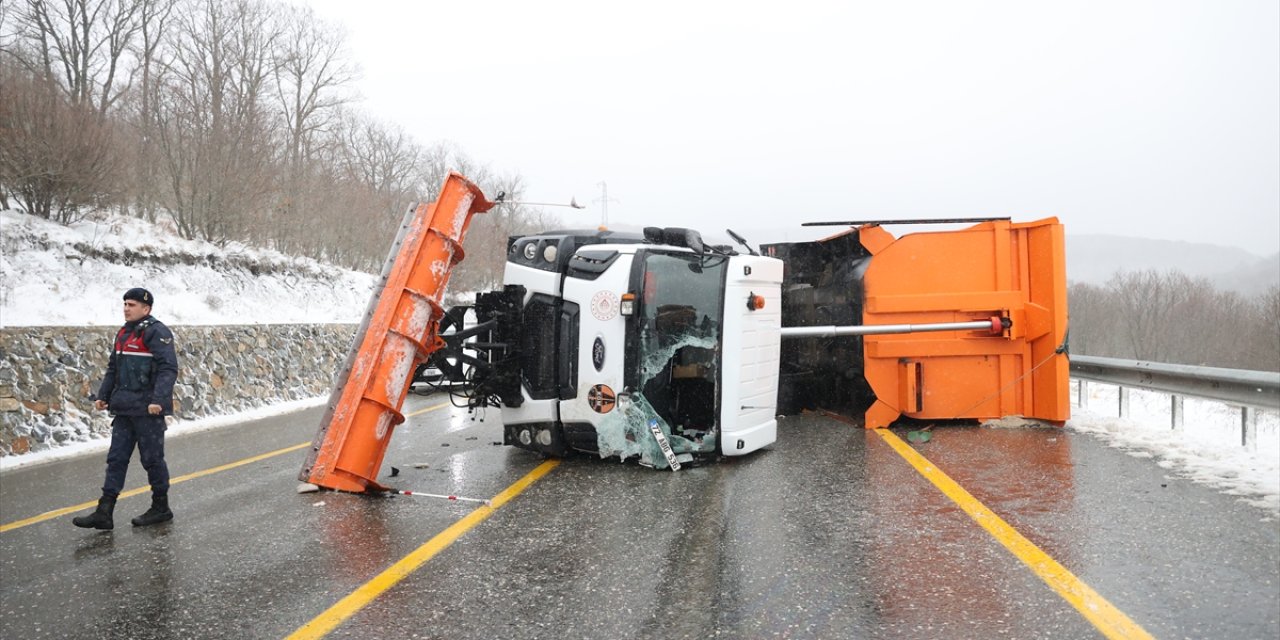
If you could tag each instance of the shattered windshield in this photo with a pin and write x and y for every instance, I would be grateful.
(677, 361)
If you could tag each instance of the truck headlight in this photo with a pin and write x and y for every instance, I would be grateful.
(530, 250)
(549, 253)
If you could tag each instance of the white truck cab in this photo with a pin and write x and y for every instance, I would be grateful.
(653, 347)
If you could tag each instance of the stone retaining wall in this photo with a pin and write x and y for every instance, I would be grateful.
(48, 373)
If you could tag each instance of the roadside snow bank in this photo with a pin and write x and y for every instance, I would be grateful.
(176, 428)
(51, 275)
(1206, 450)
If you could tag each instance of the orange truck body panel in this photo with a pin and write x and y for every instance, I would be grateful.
(398, 334)
(996, 268)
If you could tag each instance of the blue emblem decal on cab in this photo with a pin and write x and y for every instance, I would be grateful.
(597, 354)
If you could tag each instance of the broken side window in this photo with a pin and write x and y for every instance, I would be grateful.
(677, 361)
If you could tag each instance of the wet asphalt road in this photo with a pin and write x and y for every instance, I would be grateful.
(827, 534)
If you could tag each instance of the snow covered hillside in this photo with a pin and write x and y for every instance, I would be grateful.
(75, 276)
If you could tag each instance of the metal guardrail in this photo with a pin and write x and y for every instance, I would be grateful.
(1259, 389)
(1249, 390)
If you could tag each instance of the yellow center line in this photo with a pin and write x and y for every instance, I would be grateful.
(172, 481)
(133, 492)
(358, 599)
(422, 411)
(1112, 622)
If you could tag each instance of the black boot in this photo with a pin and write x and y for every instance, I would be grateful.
(100, 518)
(159, 512)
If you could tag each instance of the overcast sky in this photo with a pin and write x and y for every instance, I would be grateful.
(1155, 119)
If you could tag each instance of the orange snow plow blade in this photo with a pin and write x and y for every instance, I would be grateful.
(1014, 271)
(398, 333)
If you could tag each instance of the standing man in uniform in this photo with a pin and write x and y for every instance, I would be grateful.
(138, 390)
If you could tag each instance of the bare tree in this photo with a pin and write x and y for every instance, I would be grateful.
(54, 156)
(155, 17)
(81, 45)
(311, 75)
(441, 158)
(86, 50)
(228, 116)
(1171, 317)
(380, 163)
(1092, 329)
(383, 158)
(8, 32)
(212, 122)
(1265, 323)
(1149, 299)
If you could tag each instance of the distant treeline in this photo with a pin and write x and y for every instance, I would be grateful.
(231, 120)
(1174, 318)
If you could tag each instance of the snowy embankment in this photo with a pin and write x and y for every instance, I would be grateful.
(1206, 450)
(177, 427)
(54, 275)
(51, 275)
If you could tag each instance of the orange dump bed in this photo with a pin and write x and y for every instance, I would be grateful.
(398, 333)
(996, 268)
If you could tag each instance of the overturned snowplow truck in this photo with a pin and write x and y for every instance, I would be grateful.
(661, 348)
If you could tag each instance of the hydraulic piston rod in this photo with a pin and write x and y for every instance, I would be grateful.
(995, 325)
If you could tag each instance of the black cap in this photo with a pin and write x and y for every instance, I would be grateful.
(141, 295)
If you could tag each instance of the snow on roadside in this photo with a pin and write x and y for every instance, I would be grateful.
(53, 275)
(1206, 450)
(176, 428)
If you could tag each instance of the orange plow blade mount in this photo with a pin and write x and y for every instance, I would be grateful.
(1013, 271)
(398, 333)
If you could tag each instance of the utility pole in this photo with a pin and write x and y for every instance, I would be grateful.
(604, 204)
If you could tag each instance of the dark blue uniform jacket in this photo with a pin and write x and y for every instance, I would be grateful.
(142, 369)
